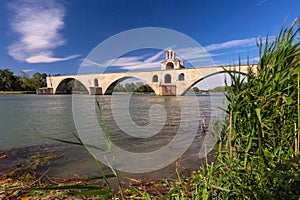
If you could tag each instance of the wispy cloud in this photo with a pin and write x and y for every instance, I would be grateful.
(155, 57)
(194, 54)
(261, 2)
(231, 44)
(197, 56)
(248, 42)
(26, 70)
(250, 60)
(129, 63)
(37, 24)
(253, 60)
(47, 58)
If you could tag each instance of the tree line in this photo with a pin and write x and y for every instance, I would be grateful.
(11, 82)
(133, 87)
(218, 89)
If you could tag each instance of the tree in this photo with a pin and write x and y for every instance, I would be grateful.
(119, 88)
(11, 82)
(38, 80)
(133, 87)
(130, 87)
(74, 86)
(8, 81)
(25, 83)
(139, 84)
(218, 89)
(196, 89)
(144, 88)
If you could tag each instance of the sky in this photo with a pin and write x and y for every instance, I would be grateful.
(56, 36)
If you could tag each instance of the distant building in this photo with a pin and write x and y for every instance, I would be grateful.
(171, 62)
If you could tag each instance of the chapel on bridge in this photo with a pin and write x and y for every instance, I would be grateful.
(171, 62)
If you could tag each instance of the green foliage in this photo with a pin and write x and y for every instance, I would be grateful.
(258, 155)
(11, 82)
(196, 89)
(219, 89)
(144, 88)
(119, 88)
(37, 80)
(133, 87)
(130, 87)
(74, 86)
(8, 81)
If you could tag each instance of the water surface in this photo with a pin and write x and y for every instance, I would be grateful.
(26, 119)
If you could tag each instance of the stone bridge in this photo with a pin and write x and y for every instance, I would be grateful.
(172, 79)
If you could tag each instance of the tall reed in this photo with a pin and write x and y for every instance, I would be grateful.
(258, 150)
(262, 160)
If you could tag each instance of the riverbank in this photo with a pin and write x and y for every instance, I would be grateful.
(26, 184)
(142, 93)
(29, 178)
(17, 92)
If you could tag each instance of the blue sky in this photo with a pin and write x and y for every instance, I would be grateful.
(55, 36)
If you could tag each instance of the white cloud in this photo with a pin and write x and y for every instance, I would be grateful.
(196, 54)
(45, 58)
(233, 43)
(86, 62)
(37, 24)
(26, 70)
(248, 42)
(253, 60)
(136, 62)
(129, 63)
(250, 60)
(155, 57)
(193, 55)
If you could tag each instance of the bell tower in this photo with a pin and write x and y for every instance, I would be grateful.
(171, 62)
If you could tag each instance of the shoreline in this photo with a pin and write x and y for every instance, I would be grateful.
(32, 171)
(17, 92)
(117, 93)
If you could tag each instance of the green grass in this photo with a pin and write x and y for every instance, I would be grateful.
(258, 155)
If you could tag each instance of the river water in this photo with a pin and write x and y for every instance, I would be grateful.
(25, 121)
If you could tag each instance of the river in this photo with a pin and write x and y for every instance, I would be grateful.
(25, 120)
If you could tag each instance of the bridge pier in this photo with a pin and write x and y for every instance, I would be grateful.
(95, 91)
(167, 90)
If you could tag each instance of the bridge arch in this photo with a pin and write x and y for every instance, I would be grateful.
(110, 87)
(76, 86)
(205, 77)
